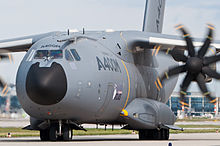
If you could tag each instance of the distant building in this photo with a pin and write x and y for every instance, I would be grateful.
(14, 105)
(198, 105)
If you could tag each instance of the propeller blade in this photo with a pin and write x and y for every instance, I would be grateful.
(173, 71)
(177, 54)
(210, 60)
(10, 58)
(186, 82)
(2, 83)
(188, 39)
(5, 90)
(207, 42)
(210, 72)
(202, 85)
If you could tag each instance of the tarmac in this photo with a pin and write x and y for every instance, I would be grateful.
(205, 139)
(14, 122)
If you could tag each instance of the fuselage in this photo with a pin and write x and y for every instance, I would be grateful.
(88, 78)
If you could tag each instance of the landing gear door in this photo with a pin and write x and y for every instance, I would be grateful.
(109, 96)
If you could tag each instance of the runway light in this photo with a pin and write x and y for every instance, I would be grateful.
(9, 135)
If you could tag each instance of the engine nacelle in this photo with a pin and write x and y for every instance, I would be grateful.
(143, 113)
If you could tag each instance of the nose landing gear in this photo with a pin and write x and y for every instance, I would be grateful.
(57, 132)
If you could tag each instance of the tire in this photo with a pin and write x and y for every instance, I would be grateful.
(53, 133)
(142, 134)
(162, 134)
(44, 135)
(152, 134)
(67, 133)
(166, 134)
(145, 135)
(156, 134)
(60, 138)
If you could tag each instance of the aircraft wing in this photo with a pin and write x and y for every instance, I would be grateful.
(163, 42)
(172, 41)
(22, 43)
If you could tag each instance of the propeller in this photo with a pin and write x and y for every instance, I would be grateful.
(196, 65)
(3, 84)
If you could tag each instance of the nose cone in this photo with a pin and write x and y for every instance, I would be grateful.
(46, 86)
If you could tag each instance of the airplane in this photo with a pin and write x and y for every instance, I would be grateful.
(67, 79)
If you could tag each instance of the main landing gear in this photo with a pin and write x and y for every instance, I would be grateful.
(57, 132)
(154, 134)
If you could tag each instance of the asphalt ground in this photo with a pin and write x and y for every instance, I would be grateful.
(205, 139)
(14, 122)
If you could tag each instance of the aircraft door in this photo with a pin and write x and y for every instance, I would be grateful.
(104, 108)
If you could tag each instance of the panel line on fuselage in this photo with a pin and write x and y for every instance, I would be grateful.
(126, 43)
(129, 84)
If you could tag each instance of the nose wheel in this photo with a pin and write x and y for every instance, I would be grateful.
(54, 133)
(67, 133)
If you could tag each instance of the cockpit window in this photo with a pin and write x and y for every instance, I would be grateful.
(53, 54)
(68, 56)
(75, 54)
(56, 54)
(40, 54)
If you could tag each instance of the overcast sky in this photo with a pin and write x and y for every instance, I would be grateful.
(25, 17)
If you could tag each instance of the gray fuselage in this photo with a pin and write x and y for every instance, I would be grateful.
(107, 75)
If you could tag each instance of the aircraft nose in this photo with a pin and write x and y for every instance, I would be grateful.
(46, 85)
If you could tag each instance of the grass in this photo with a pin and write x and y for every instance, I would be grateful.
(196, 131)
(102, 132)
(196, 119)
(199, 126)
(18, 132)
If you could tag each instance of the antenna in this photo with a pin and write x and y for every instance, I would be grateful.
(83, 30)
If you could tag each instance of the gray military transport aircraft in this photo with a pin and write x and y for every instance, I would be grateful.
(108, 77)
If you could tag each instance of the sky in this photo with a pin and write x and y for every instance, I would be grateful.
(27, 17)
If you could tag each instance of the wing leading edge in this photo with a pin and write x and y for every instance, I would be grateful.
(177, 42)
(143, 40)
(23, 43)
